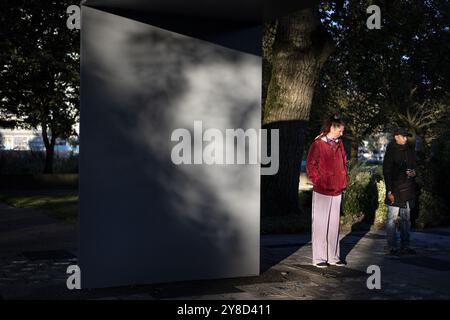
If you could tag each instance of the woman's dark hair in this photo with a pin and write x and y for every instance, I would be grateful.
(334, 121)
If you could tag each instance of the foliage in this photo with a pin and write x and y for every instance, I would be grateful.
(360, 200)
(305, 201)
(398, 75)
(31, 162)
(434, 186)
(381, 212)
(431, 209)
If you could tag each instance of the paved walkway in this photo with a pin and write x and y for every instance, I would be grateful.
(35, 251)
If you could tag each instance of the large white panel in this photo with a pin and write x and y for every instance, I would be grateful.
(142, 218)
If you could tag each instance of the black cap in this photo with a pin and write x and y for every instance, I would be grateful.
(402, 131)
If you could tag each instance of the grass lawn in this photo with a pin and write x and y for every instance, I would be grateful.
(63, 207)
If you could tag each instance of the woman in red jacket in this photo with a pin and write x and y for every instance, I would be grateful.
(326, 166)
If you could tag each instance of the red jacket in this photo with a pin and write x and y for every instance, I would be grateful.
(327, 167)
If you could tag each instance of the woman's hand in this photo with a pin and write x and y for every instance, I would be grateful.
(391, 197)
(411, 173)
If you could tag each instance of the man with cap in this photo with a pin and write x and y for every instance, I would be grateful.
(399, 170)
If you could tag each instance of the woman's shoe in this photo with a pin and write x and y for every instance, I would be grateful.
(321, 265)
(339, 263)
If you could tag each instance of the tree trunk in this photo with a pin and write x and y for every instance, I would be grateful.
(279, 192)
(49, 155)
(300, 49)
(49, 149)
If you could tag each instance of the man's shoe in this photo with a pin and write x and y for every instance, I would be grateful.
(408, 251)
(321, 265)
(339, 263)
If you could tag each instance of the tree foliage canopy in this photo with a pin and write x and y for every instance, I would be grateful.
(398, 75)
(39, 68)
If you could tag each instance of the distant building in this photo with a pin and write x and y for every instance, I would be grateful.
(21, 139)
(374, 148)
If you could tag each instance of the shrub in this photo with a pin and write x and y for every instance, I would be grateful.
(305, 201)
(433, 199)
(432, 209)
(442, 171)
(38, 181)
(360, 201)
(68, 164)
(21, 162)
(32, 162)
(381, 212)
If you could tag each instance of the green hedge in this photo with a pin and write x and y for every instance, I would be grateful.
(38, 181)
(364, 206)
(381, 211)
(432, 210)
(361, 199)
(434, 186)
(363, 203)
(32, 162)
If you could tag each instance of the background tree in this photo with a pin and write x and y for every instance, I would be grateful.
(295, 49)
(370, 78)
(399, 75)
(378, 79)
(39, 70)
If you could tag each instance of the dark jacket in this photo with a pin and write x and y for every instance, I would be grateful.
(326, 167)
(397, 159)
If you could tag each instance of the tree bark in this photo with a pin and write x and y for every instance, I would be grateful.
(300, 49)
